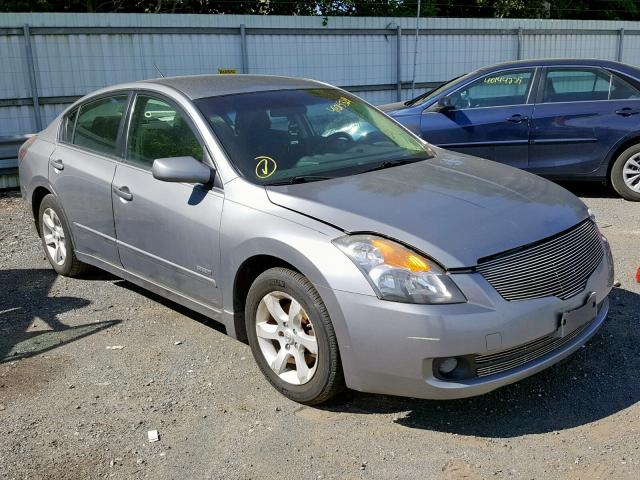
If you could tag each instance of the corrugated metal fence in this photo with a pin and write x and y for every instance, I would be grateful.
(49, 60)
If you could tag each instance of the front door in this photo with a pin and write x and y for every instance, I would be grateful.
(582, 113)
(81, 169)
(168, 233)
(489, 118)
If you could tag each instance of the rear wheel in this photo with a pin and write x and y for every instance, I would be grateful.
(56, 240)
(292, 337)
(625, 174)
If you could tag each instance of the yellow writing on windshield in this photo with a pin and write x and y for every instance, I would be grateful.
(265, 167)
(339, 105)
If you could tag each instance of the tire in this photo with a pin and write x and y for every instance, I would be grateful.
(629, 159)
(323, 377)
(54, 233)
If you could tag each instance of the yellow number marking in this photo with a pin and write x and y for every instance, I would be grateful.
(339, 105)
(503, 80)
(265, 167)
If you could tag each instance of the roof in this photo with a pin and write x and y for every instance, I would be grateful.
(200, 86)
(562, 61)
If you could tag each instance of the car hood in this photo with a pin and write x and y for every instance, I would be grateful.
(454, 208)
(392, 107)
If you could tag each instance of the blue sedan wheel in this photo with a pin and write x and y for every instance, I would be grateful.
(625, 174)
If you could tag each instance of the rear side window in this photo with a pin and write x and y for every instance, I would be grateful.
(622, 90)
(68, 124)
(585, 85)
(159, 130)
(576, 85)
(495, 90)
(98, 124)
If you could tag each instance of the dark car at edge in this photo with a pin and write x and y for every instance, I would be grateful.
(565, 119)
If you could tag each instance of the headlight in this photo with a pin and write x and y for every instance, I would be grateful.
(607, 249)
(397, 273)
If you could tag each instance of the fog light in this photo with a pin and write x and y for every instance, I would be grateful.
(448, 365)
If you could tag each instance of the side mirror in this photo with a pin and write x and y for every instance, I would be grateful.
(444, 104)
(182, 170)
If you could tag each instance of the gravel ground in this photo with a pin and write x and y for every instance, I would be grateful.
(88, 366)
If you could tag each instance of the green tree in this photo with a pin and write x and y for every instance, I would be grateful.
(561, 9)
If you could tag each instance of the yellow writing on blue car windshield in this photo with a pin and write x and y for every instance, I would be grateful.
(265, 167)
(339, 105)
(503, 80)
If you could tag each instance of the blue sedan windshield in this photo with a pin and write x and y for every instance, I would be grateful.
(279, 136)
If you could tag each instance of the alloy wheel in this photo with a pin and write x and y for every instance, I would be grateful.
(54, 237)
(287, 338)
(631, 173)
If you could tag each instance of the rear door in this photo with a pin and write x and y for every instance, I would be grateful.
(489, 118)
(581, 113)
(168, 233)
(81, 170)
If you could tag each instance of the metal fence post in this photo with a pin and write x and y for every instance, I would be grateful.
(243, 49)
(399, 62)
(620, 44)
(520, 43)
(33, 81)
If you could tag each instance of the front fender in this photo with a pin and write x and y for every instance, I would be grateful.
(300, 241)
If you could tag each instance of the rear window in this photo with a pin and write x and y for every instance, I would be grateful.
(585, 85)
(98, 124)
(68, 124)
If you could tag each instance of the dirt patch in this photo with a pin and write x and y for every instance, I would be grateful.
(30, 377)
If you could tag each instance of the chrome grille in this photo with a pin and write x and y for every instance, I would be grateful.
(493, 363)
(559, 266)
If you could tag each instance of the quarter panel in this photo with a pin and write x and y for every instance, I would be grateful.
(33, 170)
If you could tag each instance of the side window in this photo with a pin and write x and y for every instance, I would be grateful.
(68, 124)
(159, 130)
(98, 124)
(622, 90)
(496, 90)
(576, 85)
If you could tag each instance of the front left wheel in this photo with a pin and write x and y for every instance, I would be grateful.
(292, 338)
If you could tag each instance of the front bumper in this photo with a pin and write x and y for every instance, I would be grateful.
(390, 347)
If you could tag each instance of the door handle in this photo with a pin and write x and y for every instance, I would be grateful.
(627, 111)
(517, 118)
(123, 192)
(58, 164)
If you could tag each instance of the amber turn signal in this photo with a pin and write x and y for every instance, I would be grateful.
(398, 256)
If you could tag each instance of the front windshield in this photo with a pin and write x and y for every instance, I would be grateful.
(425, 97)
(288, 135)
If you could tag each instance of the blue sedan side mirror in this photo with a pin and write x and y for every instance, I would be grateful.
(444, 104)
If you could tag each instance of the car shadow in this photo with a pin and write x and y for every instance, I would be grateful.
(187, 312)
(29, 323)
(597, 381)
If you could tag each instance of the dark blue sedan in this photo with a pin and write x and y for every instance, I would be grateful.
(564, 119)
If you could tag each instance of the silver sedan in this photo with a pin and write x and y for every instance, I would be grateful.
(372, 260)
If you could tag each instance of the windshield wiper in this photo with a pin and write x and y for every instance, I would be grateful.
(391, 163)
(300, 179)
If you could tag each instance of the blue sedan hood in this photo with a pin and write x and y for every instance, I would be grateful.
(454, 208)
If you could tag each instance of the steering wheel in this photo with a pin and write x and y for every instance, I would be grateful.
(342, 139)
